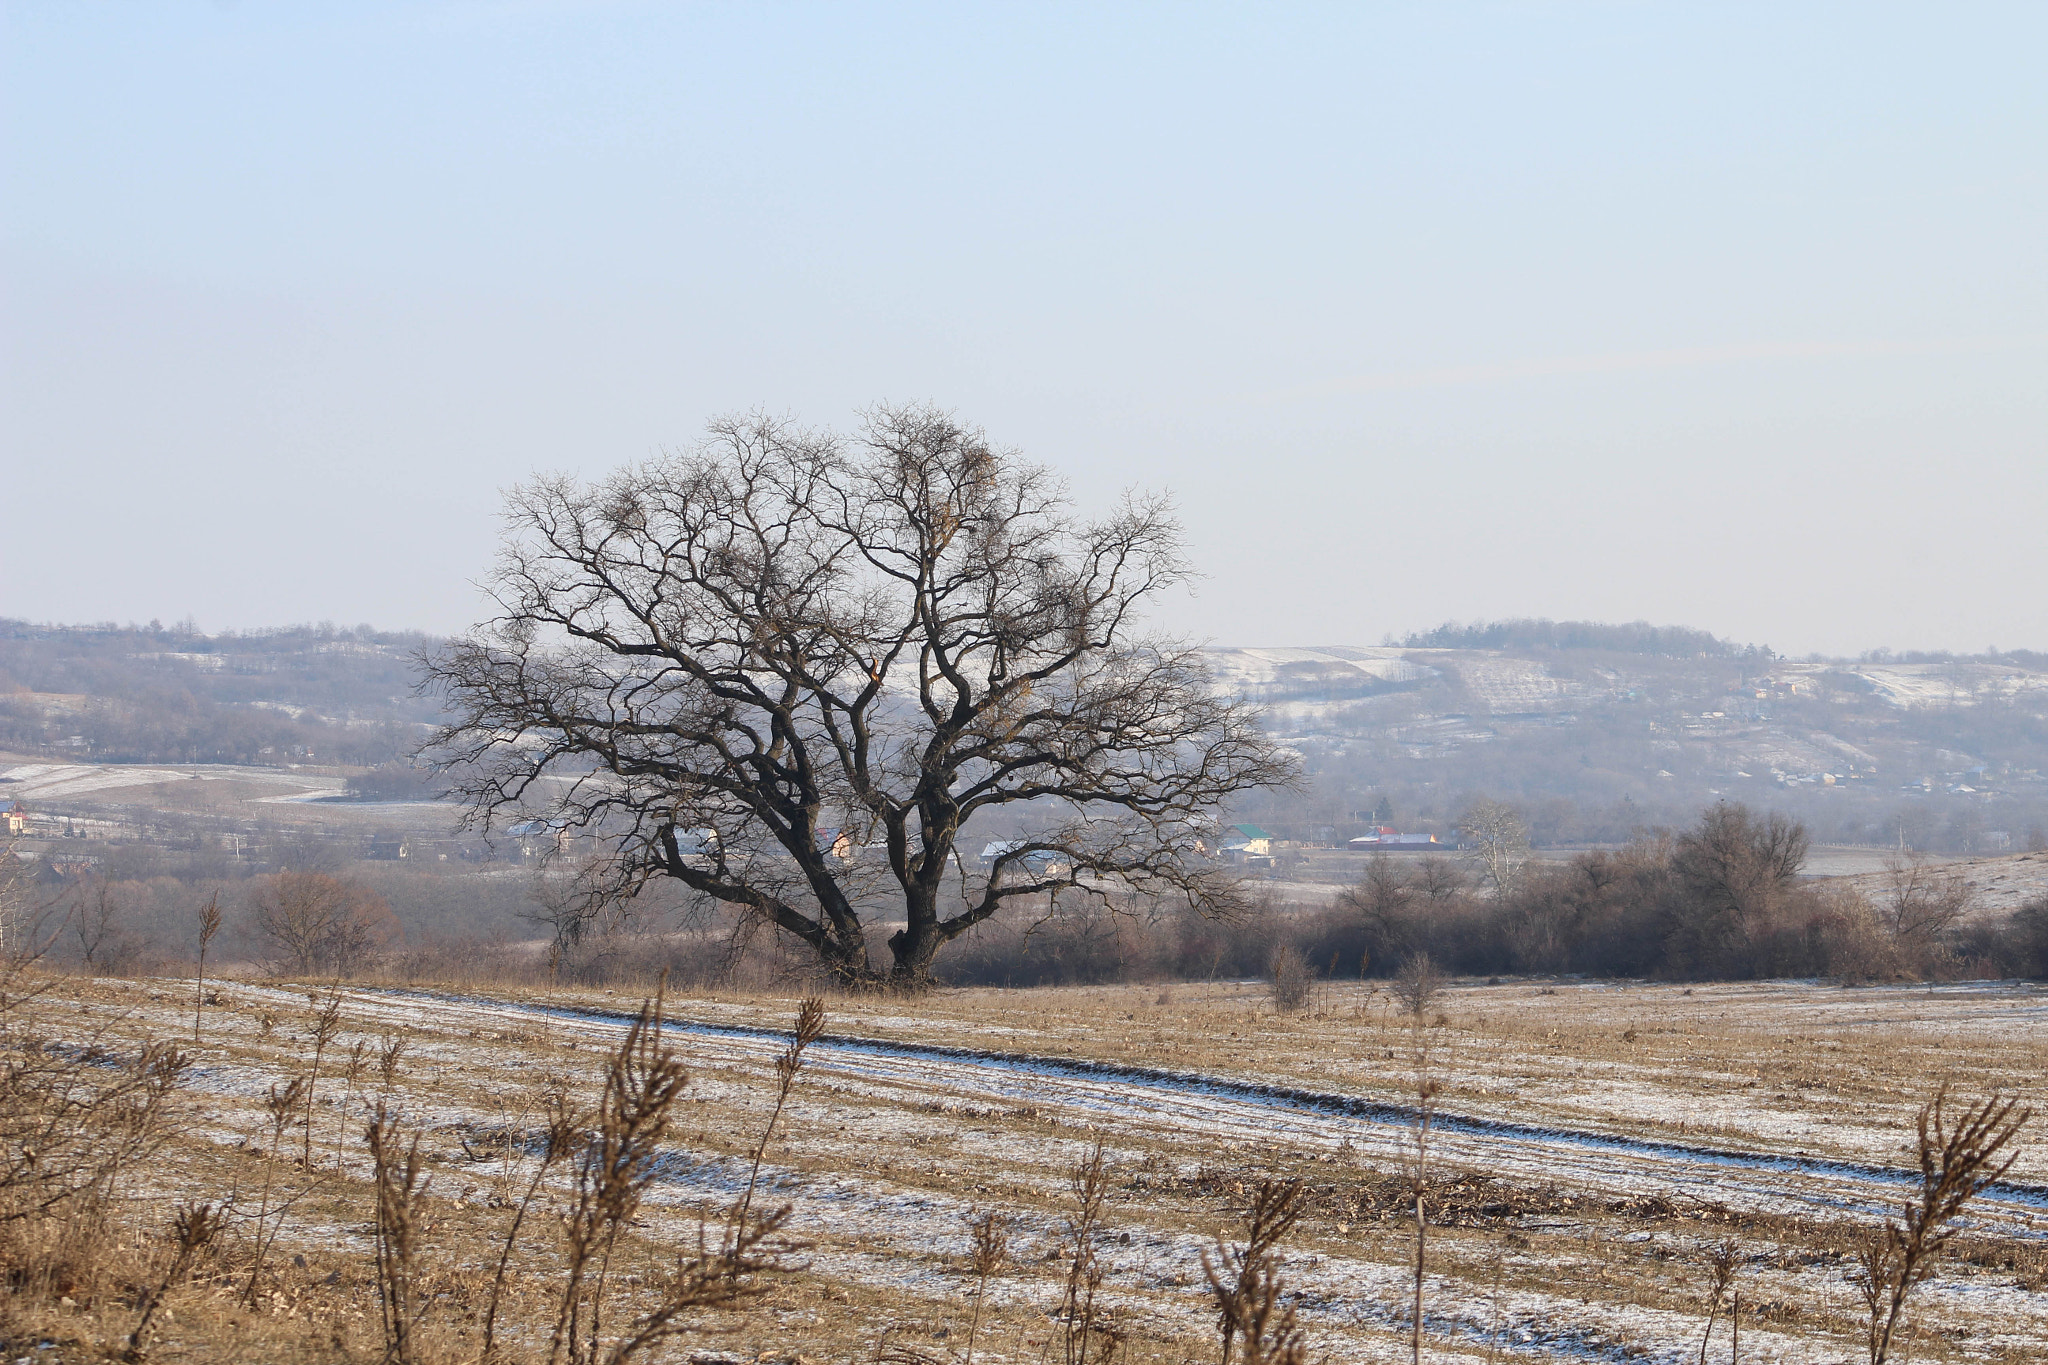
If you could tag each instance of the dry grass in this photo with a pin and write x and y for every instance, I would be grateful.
(883, 1166)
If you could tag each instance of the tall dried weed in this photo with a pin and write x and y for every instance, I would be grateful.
(1245, 1281)
(1960, 1158)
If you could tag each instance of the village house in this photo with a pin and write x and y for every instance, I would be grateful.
(1038, 863)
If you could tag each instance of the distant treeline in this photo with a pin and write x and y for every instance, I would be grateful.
(1634, 637)
(305, 694)
(1721, 900)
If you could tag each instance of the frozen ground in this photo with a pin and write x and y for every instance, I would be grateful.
(1594, 1142)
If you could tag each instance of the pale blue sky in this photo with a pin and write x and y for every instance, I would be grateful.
(1733, 316)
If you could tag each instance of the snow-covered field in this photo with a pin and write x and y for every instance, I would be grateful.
(61, 781)
(1594, 1143)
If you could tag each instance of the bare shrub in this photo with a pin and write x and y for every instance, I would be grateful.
(317, 924)
(1853, 943)
(1959, 1160)
(1920, 907)
(1497, 843)
(1289, 975)
(2027, 933)
(1736, 871)
(100, 915)
(1418, 985)
(1245, 1281)
(76, 1116)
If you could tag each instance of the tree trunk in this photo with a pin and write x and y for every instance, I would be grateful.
(915, 945)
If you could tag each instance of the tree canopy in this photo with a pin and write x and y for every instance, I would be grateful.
(787, 668)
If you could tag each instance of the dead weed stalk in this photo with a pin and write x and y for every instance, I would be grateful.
(642, 1083)
(1088, 1332)
(401, 1194)
(1417, 987)
(281, 1104)
(209, 925)
(1726, 1257)
(564, 1126)
(620, 1160)
(326, 1025)
(810, 1022)
(1246, 1283)
(988, 1251)
(1959, 1160)
(193, 1229)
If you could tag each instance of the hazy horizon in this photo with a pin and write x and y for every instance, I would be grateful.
(1729, 317)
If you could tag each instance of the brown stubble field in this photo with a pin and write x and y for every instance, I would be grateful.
(1656, 1123)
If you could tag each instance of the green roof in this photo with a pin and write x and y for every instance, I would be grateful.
(1251, 831)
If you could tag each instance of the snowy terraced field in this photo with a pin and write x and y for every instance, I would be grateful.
(66, 781)
(1595, 1142)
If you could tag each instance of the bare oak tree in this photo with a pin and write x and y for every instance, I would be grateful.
(786, 669)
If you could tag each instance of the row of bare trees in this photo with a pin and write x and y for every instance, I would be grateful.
(305, 924)
(1722, 898)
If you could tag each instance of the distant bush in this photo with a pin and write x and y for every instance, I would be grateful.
(1289, 975)
(311, 922)
(1719, 901)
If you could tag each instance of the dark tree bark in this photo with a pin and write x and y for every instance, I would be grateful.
(734, 665)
